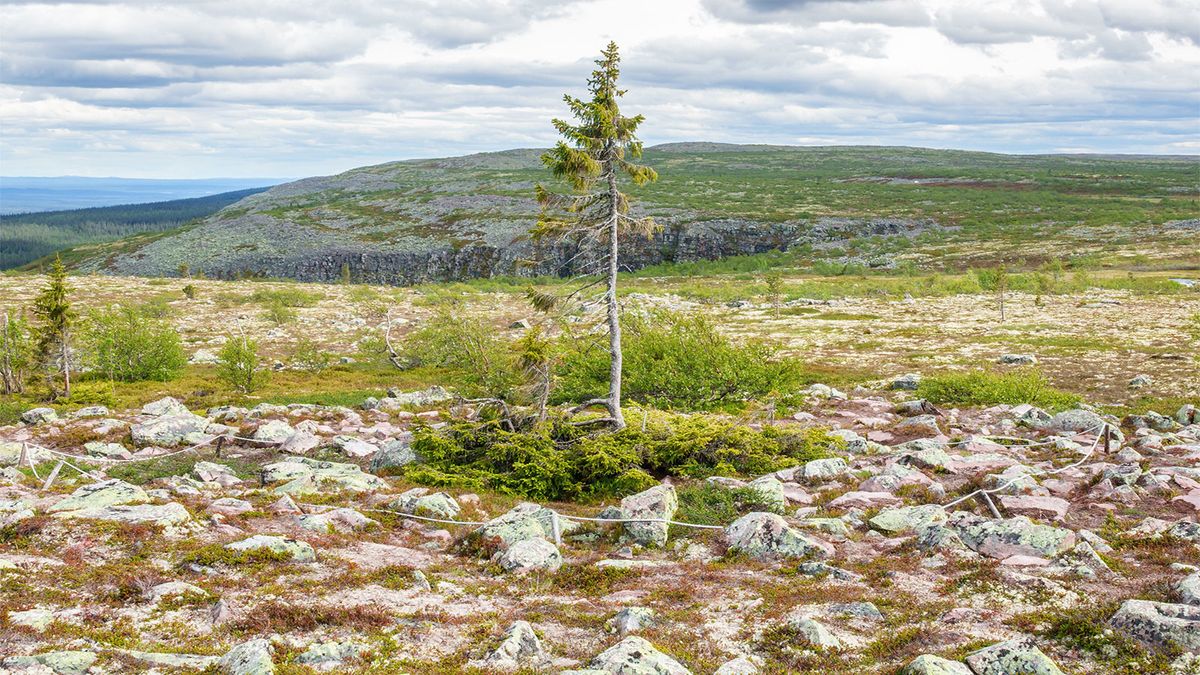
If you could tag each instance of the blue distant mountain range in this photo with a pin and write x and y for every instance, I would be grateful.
(28, 194)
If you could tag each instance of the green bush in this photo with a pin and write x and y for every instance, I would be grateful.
(482, 362)
(238, 364)
(288, 297)
(678, 361)
(309, 357)
(126, 345)
(985, 388)
(557, 460)
(279, 313)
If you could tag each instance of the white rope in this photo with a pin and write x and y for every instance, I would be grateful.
(1049, 472)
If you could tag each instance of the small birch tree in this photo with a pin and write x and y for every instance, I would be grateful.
(56, 320)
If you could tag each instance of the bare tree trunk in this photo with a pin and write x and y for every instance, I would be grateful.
(66, 365)
(614, 319)
(6, 366)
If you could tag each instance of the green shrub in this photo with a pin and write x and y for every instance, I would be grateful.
(985, 388)
(482, 362)
(279, 313)
(309, 357)
(708, 504)
(126, 345)
(288, 297)
(556, 460)
(678, 361)
(238, 364)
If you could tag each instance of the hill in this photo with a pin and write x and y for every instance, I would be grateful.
(26, 237)
(466, 217)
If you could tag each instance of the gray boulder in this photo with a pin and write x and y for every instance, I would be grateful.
(636, 656)
(660, 503)
(39, 416)
(770, 491)
(163, 515)
(1159, 624)
(298, 551)
(908, 518)
(394, 454)
(354, 447)
(1003, 538)
(519, 648)
(1189, 589)
(1017, 359)
(417, 502)
(98, 495)
(165, 406)
(824, 469)
(169, 430)
(530, 555)
(928, 664)
(1013, 656)
(767, 535)
(273, 431)
(630, 620)
(330, 655)
(63, 663)
(248, 658)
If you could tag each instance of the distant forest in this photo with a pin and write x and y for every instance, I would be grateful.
(29, 236)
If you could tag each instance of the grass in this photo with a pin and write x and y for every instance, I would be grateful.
(1085, 628)
(984, 388)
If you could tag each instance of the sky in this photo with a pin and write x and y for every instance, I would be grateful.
(290, 88)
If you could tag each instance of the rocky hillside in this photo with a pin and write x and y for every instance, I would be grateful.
(467, 217)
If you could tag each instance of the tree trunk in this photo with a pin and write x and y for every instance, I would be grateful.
(66, 365)
(610, 297)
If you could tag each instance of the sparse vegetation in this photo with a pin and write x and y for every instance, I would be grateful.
(984, 388)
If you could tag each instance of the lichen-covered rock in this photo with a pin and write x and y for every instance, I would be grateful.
(824, 469)
(929, 664)
(660, 503)
(926, 454)
(767, 535)
(815, 633)
(908, 518)
(1159, 624)
(172, 661)
(10, 453)
(354, 447)
(273, 431)
(742, 665)
(163, 515)
(530, 555)
(1188, 589)
(1078, 421)
(1003, 538)
(636, 656)
(918, 425)
(519, 648)
(107, 450)
(437, 505)
(630, 620)
(171, 589)
(394, 454)
(37, 619)
(330, 655)
(518, 524)
(63, 663)
(248, 658)
(298, 551)
(1013, 656)
(770, 492)
(98, 495)
(310, 476)
(39, 416)
(165, 406)
(169, 430)
(90, 411)
(337, 520)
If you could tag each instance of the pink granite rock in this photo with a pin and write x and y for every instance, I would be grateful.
(1045, 508)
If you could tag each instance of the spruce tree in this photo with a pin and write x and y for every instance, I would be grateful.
(593, 156)
(56, 319)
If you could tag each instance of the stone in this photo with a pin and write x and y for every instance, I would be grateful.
(165, 406)
(10, 453)
(1078, 421)
(354, 447)
(908, 518)
(824, 391)
(90, 411)
(162, 515)
(298, 551)
(815, 633)
(37, 619)
(330, 655)
(1188, 589)
(248, 658)
(299, 443)
(1188, 414)
(522, 522)
(767, 535)
(172, 661)
(438, 505)
(660, 503)
(928, 664)
(636, 656)
(771, 493)
(858, 610)
(1017, 359)
(1012, 656)
(864, 500)
(908, 382)
(742, 665)
(39, 416)
(107, 450)
(1004, 538)
(63, 663)
(519, 648)
(1159, 624)
(824, 469)
(920, 425)
(1140, 381)
(394, 454)
(273, 431)
(310, 476)
(230, 506)
(530, 555)
(1044, 508)
(425, 397)
(337, 520)
(630, 620)
(173, 589)
(168, 430)
(925, 454)
(100, 494)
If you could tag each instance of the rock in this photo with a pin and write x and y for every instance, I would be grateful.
(285, 505)
(864, 500)
(1013, 656)
(519, 648)
(925, 454)
(168, 430)
(63, 663)
(330, 655)
(858, 610)
(1077, 421)
(103, 493)
(107, 450)
(1004, 538)
(165, 406)
(354, 447)
(908, 382)
(815, 633)
(1186, 530)
(230, 506)
(37, 619)
(10, 453)
(172, 589)
(273, 431)
(394, 454)
(1140, 381)
(742, 665)
(309, 476)
(299, 443)
(1017, 359)
(90, 411)
(426, 397)
(529, 555)
(438, 505)
(916, 407)
(1188, 414)
(172, 661)
(636, 656)
(1189, 589)
(928, 664)
(920, 425)
(337, 520)
(1159, 624)
(660, 503)
(524, 521)
(248, 658)
(770, 492)
(630, 620)
(298, 551)
(39, 416)
(824, 469)
(1044, 508)
(163, 515)
(908, 518)
(824, 391)
(767, 535)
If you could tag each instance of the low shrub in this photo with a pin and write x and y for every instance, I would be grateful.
(288, 297)
(126, 345)
(238, 364)
(558, 461)
(986, 388)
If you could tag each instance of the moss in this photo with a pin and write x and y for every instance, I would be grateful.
(216, 554)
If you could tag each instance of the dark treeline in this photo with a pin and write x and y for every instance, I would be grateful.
(29, 236)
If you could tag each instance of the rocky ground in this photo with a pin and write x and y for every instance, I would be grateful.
(274, 540)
